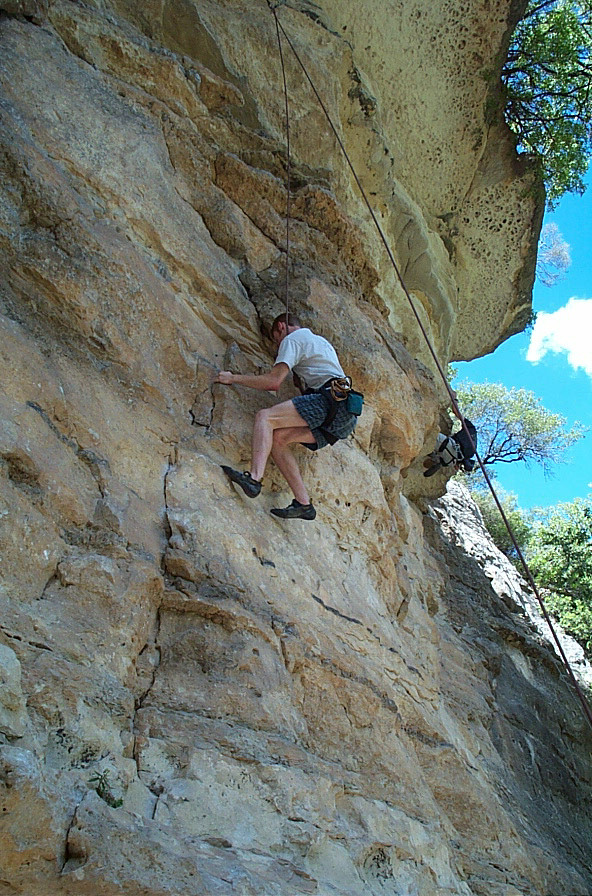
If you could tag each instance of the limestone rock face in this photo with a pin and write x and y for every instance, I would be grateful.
(197, 698)
(433, 99)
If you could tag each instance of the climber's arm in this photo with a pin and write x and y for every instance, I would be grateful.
(267, 382)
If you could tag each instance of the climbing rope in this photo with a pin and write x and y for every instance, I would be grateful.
(529, 577)
(273, 7)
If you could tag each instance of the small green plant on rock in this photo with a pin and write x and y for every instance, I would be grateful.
(102, 786)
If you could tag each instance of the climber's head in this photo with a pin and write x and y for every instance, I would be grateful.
(284, 324)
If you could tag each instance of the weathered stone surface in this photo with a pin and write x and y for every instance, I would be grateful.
(12, 704)
(508, 657)
(197, 698)
(457, 163)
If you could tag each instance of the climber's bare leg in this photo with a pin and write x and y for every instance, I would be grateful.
(285, 460)
(269, 421)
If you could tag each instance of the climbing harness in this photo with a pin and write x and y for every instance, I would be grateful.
(340, 387)
(337, 390)
(449, 451)
(281, 31)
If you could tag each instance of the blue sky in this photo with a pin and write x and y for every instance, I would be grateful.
(554, 360)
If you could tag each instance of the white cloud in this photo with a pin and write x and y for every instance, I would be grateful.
(567, 330)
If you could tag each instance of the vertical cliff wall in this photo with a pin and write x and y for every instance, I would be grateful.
(197, 698)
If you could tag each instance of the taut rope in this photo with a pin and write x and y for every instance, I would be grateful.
(585, 707)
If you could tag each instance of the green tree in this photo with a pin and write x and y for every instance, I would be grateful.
(518, 519)
(547, 80)
(553, 257)
(559, 554)
(512, 425)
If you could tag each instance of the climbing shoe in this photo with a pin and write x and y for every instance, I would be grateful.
(434, 469)
(249, 485)
(295, 511)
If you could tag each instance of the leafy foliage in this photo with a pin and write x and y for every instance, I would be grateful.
(513, 425)
(553, 258)
(547, 78)
(102, 785)
(560, 557)
(517, 518)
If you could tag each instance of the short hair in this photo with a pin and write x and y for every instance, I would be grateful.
(291, 319)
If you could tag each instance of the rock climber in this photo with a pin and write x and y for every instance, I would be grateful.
(316, 418)
(457, 449)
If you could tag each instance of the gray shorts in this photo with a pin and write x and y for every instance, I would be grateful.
(314, 409)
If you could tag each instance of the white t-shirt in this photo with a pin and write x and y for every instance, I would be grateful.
(310, 357)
